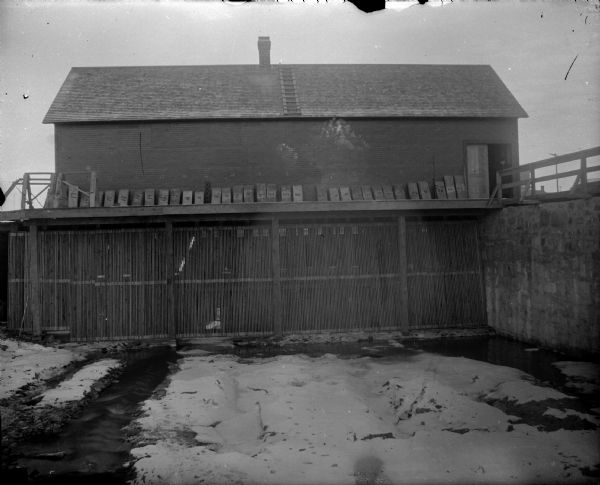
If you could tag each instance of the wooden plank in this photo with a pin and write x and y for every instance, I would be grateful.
(215, 195)
(413, 191)
(461, 189)
(175, 197)
(403, 266)
(297, 194)
(322, 193)
(367, 193)
(109, 198)
(388, 192)
(93, 189)
(34, 279)
(271, 193)
(378, 192)
(286, 193)
(84, 200)
(198, 197)
(276, 275)
(450, 187)
(248, 193)
(356, 192)
(345, 193)
(137, 198)
(440, 189)
(399, 192)
(123, 198)
(226, 195)
(334, 194)
(170, 270)
(163, 197)
(149, 197)
(187, 197)
(25, 188)
(261, 192)
(238, 194)
(424, 192)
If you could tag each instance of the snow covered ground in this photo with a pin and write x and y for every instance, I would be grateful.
(419, 418)
(23, 363)
(80, 384)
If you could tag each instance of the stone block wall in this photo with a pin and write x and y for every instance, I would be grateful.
(542, 273)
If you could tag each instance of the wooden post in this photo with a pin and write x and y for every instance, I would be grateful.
(402, 256)
(25, 189)
(172, 331)
(499, 186)
(584, 174)
(93, 189)
(277, 310)
(34, 281)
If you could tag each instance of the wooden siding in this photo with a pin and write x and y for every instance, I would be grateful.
(190, 154)
(339, 276)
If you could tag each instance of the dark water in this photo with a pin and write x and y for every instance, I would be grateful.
(94, 443)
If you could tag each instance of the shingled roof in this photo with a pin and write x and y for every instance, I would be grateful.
(104, 94)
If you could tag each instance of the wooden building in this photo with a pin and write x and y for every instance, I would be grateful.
(264, 198)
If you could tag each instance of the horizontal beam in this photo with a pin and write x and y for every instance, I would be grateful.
(255, 210)
(547, 162)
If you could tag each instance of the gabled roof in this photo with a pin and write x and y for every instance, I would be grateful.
(93, 94)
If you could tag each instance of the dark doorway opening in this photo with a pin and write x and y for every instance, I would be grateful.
(499, 158)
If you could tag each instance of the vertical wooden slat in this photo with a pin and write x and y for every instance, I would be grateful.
(170, 269)
(93, 189)
(276, 295)
(34, 280)
(403, 273)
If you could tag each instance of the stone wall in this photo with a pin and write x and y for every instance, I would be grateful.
(542, 273)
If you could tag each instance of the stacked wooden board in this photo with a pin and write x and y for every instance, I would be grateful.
(447, 188)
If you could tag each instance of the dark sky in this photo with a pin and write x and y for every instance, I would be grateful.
(530, 44)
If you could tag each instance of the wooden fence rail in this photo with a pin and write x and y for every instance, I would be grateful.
(514, 184)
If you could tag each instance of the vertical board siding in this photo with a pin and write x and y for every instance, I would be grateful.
(19, 317)
(339, 276)
(223, 274)
(444, 275)
(112, 284)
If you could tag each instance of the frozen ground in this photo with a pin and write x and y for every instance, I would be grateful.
(23, 363)
(419, 418)
(80, 384)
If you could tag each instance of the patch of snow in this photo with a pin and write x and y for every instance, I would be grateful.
(300, 420)
(76, 388)
(557, 413)
(22, 363)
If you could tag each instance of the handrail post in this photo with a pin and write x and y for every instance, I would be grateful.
(499, 186)
(24, 189)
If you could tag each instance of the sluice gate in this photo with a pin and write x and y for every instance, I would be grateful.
(237, 278)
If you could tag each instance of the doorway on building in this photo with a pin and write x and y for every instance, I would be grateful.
(483, 161)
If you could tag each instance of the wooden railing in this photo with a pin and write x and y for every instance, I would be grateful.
(33, 185)
(522, 182)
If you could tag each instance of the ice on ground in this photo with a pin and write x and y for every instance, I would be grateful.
(300, 420)
(80, 384)
(22, 363)
(583, 376)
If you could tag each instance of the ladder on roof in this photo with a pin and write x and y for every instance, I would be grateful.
(291, 106)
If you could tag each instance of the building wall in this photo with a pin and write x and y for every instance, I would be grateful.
(542, 273)
(335, 151)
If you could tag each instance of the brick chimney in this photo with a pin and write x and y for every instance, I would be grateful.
(264, 52)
